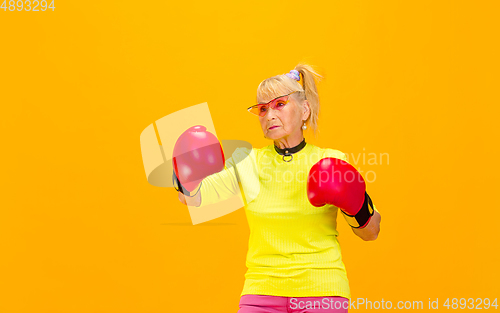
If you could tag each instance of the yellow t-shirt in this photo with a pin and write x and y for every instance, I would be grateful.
(293, 249)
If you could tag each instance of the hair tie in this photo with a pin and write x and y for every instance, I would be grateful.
(294, 75)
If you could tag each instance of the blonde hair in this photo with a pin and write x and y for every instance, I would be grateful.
(278, 85)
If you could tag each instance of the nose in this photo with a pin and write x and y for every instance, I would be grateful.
(271, 114)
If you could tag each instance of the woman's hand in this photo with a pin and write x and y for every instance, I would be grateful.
(191, 201)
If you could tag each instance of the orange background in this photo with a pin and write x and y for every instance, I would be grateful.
(81, 229)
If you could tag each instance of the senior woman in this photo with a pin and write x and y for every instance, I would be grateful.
(294, 259)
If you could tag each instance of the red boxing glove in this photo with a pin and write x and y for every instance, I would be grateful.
(197, 154)
(336, 182)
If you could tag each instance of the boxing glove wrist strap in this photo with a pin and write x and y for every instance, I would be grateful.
(178, 186)
(361, 219)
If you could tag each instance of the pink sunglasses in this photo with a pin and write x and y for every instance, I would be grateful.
(278, 103)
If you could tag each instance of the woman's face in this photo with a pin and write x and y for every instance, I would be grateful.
(277, 124)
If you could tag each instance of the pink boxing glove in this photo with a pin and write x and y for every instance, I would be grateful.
(197, 154)
(336, 182)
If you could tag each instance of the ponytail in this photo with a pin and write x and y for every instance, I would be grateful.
(309, 79)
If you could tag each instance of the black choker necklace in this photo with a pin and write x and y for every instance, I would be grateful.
(287, 152)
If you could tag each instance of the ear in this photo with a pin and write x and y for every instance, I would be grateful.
(306, 112)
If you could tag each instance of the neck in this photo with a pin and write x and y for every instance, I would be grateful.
(288, 142)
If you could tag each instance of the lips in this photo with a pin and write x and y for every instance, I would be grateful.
(273, 127)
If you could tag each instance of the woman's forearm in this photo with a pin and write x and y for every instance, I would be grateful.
(191, 201)
(195, 200)
(369, 232)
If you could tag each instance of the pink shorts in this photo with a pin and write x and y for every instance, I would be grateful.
(274, 304)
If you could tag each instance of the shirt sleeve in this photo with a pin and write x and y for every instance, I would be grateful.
(225, 184)
(332, 153)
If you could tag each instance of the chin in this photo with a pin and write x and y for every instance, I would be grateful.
(273, 137)
(273, 134)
